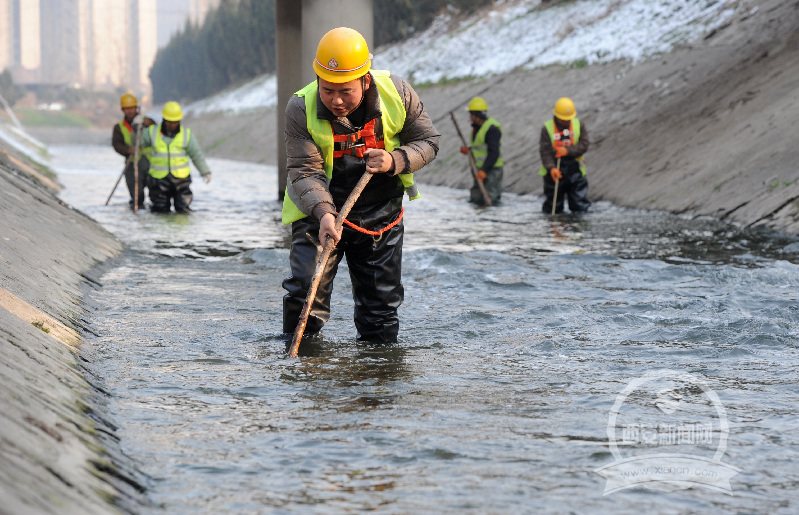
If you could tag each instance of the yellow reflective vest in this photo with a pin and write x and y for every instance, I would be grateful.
(575, 125)
(127, 137)
(171, 158)
(393, 119)
(479, 147)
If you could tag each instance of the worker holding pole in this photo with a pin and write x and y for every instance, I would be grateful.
(122, 139)
(349, 122)
(486, 147)
(564, 140)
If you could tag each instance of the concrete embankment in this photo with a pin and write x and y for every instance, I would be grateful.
(57, 451)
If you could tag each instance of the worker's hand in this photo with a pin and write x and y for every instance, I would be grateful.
(556, 175)
(481, 175)
(378, 161)
(131, 150)
(464, 150)
(207, 178)
(561, 152)
(327, 228)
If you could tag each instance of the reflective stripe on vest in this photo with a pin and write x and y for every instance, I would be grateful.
(127, 137)
(171, 158)
(393, 119)
(479, 147)
(574, 137)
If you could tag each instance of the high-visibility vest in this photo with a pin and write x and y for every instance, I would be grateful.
(171, 158)
(393, 119)
(127, 136)
(479, 147)
(557, 139)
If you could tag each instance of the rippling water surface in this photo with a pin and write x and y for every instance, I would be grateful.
(518, 334)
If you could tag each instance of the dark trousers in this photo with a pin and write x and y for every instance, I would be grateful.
(375, 271)
(164, 192)
(492, 184)
(144, 168)
(573, 186)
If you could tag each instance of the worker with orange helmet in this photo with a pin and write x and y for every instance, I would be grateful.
(486, 147)
(349, 121)
(123, 140)
(564, 140)
(169, 180)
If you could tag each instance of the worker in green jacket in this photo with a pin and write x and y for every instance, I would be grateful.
(564, 140)
(487, 151)
(349, 121)
(170, 175)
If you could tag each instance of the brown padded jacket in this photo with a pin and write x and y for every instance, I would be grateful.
(304, 159)
(575, 151)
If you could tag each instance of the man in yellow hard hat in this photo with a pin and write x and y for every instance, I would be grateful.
(349, 121)
(487, 151)
(564, 140)
(122, 139)
(170, 175)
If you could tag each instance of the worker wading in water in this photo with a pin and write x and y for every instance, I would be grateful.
(564, 138)
(487, 151)
(122, 139)
(349, 121)
(170, 175)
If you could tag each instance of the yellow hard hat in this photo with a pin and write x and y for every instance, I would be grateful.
(477, 104)
(342, 55)
(127, 100)
(564, 109)
(172, 112)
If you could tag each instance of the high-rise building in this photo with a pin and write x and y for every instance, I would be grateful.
(96, 44)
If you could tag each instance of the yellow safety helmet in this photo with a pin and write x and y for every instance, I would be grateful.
(172, 112)
(342, 55)
(477, 104)
(564, 109)
(127, 100)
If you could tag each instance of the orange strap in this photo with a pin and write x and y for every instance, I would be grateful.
(376, 234)
(558, 137)
(358, 141)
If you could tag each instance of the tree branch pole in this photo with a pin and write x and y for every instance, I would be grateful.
(473, 164)
(555, 198)
(136, 168)
(320, 266)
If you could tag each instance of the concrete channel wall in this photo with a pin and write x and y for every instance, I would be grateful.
(57, 454)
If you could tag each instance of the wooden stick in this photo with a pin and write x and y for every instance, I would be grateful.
(115, 186)
(555, 198)
(320, 266)
(473, 164)
(136, 169)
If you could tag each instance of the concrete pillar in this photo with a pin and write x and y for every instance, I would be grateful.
(300, 26)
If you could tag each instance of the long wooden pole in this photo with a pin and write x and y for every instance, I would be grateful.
(115, 186)
(486, 198)
(555, 198)
(320, 266)
(136, 169)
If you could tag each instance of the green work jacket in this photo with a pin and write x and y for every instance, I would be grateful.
(171, 158)
(127, 137)
(550, 125)
(479, 147)
(393, 119)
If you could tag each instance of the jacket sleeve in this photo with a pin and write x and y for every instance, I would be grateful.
(493, 137)
(418, 136)
(197, 157)
(582, 146)
(545, 150)
(305, 164)
(118, 142)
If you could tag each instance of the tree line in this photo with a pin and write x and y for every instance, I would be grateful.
(237, 43)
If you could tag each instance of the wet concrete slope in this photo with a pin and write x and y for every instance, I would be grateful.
(56, 452)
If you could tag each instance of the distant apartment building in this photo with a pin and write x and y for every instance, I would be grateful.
(93, 44)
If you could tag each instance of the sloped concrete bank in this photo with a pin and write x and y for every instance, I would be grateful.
(57, 449)
(707, 130)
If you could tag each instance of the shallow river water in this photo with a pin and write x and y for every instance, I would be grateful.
(618, 362)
